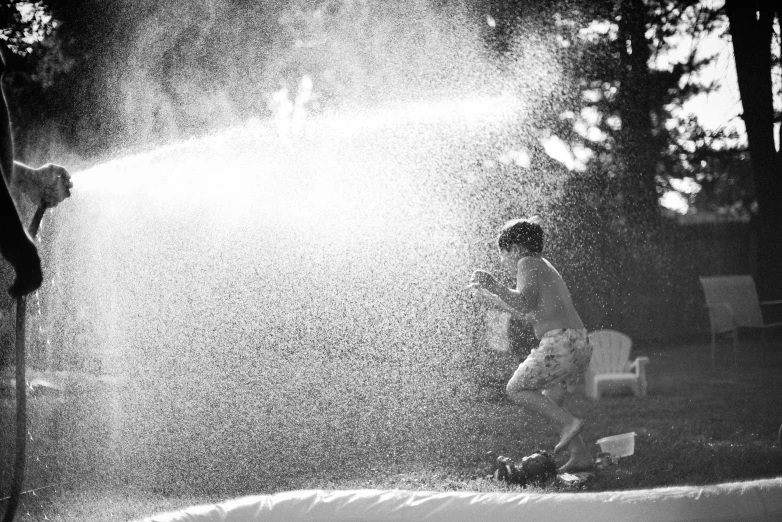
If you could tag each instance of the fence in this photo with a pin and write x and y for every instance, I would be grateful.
(651, 289)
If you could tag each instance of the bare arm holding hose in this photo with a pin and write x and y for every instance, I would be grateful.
(15, 244)
(45, 186)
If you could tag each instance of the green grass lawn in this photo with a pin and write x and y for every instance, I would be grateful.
(697, 426)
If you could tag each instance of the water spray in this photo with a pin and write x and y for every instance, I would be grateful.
(21, 389)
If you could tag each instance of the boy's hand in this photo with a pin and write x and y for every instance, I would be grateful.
(483, 279)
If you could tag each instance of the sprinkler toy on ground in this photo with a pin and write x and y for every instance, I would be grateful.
(537, 468)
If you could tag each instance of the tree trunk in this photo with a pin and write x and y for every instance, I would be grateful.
(636, 143)
(751, 29)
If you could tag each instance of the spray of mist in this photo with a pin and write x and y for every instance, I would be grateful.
(281, 295)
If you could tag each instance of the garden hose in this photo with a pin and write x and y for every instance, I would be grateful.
(21, 391)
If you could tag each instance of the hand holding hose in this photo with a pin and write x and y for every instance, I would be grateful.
(47, 186)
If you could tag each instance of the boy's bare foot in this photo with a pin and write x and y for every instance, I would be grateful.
(578, 463)
(568, 433)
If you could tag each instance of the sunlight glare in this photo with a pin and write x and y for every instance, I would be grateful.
(251, 165)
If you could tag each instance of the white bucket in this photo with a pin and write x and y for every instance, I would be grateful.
(618, 445)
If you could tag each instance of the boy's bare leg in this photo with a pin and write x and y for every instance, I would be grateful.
(580, 459)
(570, 426)
(556, 393)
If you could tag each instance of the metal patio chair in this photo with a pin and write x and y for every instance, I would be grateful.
(733, 303)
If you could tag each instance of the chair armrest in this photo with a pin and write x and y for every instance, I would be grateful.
(769, 310)
(639, 365)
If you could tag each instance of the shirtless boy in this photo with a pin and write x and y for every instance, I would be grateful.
(543, 381)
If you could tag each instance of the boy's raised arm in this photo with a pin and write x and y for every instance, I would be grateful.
(525, 297)
(494, 301)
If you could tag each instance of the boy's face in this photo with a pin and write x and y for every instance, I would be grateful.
(510, 258)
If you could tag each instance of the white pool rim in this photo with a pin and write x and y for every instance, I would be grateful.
(753, 501)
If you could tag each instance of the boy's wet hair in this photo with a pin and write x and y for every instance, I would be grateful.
(525, 232)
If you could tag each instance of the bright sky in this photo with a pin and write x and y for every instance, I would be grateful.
(715, 110)
(722, 107)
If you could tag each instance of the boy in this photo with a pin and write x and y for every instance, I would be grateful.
(542, 382)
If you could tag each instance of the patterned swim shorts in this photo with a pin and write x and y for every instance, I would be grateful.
(562, 356)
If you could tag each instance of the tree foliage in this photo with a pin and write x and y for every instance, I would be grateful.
(35, 61)
(625, 110)
(133, 73)
(172, 55)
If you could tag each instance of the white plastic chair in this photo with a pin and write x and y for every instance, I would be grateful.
(610, 366)
(733, 303)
